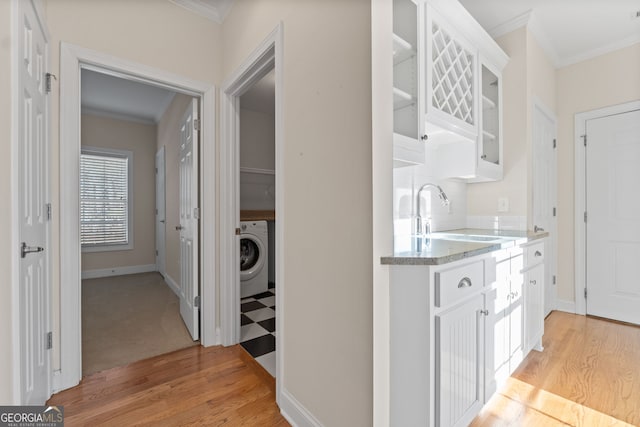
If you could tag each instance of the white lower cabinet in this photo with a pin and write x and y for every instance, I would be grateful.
(458, 330)
(459, 364)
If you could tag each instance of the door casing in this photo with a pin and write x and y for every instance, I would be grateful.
(580, 204)
(72, 60)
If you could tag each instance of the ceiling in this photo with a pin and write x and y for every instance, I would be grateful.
(105, 94)
(569, 30)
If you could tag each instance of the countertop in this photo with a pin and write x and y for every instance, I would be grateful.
(437, 250)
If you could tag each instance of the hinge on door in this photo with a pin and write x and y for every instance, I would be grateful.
(47, 84)
(584, 139)
(49, 340)
(554, 279)
(196, 213)
(585, 293)
(554, 143)
(238, 231)
(48, 211)
(196, 302)
(585, 216)
(554, 211)
(196, 124)
(156, 253)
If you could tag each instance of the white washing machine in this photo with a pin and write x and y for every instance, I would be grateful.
(254, 258)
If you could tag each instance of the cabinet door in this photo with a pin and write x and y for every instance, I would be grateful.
(490, 134)
(451, 92)
(500, 327)
(534, 307)
(460, 363)
(516, 327)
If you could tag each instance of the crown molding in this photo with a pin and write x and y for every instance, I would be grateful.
(215, 11)
(511, 25)
(629, 41)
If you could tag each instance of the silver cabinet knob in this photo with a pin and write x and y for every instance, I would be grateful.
(537, 253)
(179, 227)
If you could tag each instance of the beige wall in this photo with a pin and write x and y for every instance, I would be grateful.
(169, 138)
(327, 164)
(154, 33)
(6, 324)
(257, 140)
(139, 138)
(603, 81)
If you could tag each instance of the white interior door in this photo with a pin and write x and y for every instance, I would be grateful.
(613, 216)
(189, 214)
(33, 169)
(544, 195)
(160, 211)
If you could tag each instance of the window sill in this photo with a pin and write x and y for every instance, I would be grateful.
(107, 248)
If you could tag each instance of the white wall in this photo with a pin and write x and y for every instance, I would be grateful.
(139, 138)
(327, 197)
(257, 151)
(158, 34)
(606, 80)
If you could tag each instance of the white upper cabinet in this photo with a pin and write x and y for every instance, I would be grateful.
(408, 145)
(447, 91)
(451, 78)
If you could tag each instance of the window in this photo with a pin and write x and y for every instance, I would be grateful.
(105, 199)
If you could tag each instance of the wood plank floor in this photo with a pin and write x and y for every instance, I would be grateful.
(587, 375)
(196, 386)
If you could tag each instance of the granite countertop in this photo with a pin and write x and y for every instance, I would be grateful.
(448, 246)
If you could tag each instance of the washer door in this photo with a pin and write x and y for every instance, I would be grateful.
(252, 252)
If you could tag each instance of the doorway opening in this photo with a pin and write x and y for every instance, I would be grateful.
(259, 178)
(134, 298)
(199, 231)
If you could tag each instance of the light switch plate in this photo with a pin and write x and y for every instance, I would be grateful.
(503, 204)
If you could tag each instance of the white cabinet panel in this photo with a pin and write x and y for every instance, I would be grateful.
(534, 308)
(460, 363)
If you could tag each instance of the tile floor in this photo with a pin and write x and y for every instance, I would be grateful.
(258, 327)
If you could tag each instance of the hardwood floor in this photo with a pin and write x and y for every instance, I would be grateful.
(587, 375)
(196, 386)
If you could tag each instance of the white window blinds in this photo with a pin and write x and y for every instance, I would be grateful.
(104, 199)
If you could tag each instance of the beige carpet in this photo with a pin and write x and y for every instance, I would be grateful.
(129, 318)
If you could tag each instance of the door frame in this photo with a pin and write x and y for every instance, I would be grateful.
(580, 193)
(161, 258)
(16, 314)
(266, 57)
(72, 59)
(552, 240)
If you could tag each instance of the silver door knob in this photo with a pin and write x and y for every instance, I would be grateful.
(179, 227)
(24, 249)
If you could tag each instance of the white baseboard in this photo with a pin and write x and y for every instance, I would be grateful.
(118, 271)
(294, 412)
(566, 306)
(172, 284)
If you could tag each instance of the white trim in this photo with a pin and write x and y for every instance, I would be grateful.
(566, 306)
(580, 188)
(295, 413)
(173, 285)
(15, 203)
(511, 25)
(266, 57)
(620, 44)
(116, 116)
(118, 271)
(216, 11)
(72, 59)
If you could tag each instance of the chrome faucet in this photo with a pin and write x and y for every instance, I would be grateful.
(426, 229)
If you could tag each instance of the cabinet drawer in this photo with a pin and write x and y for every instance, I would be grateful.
(453, 285)
(534, 254)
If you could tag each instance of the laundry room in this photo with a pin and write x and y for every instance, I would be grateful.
(258, 221)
